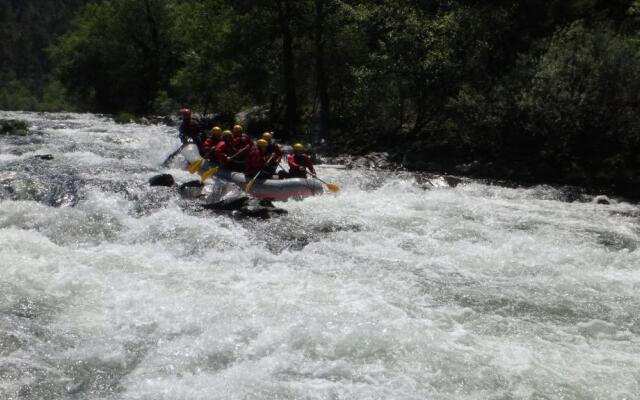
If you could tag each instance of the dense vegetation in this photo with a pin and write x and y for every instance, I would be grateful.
(27, 28)
(524, 89)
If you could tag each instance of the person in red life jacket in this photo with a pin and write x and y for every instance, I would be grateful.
(299, 162)
(225, 150)
(190, 130)
(211, 142)
(272, 147)
(259, 159)
(242, 142)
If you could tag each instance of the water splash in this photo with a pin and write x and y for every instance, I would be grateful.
(396, 288)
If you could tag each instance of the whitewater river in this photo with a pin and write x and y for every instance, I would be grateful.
(392, 289)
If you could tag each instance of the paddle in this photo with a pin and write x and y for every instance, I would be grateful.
(253, 180)
(332, 188)
(175, 153)
(214, 170)
(196, 165)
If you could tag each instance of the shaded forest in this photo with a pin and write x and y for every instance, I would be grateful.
(534, 91)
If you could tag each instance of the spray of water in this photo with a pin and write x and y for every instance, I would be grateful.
(391, 289)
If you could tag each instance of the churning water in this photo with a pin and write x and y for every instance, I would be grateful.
(391, 289)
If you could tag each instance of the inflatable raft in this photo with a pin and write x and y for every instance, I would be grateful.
(274, 189)
(271, 189)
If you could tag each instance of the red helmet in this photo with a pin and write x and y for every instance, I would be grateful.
(185, 112)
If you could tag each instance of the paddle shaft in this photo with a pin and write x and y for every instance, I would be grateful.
(175, 153)
(213, 170)
(250, 184)
(316, 176)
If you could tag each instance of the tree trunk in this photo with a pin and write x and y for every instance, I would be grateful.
(321, 77)
(288, 69)
(153, 58)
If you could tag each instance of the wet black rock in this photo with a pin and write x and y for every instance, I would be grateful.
(228, 199)
(191, 189)
(244, 206)
(371, 161)
(602, 200)
(162, 180)
(158, 120)
(46, 157)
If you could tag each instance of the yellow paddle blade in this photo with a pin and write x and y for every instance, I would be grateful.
(195, 166)
(250, 184)
(333, 188)
(209, 173)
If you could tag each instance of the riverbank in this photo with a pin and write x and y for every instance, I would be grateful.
(486, 172)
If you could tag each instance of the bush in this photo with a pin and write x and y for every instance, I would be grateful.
(582, 100)
(124, 118)
(15, 95)
(55, 98)
(14, 127)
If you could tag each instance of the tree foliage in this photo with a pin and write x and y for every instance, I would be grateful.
(541, 90)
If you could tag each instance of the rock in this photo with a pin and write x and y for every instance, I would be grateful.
(166, 120)
(162, 180)
(602, 200)
(414, 160)
(47, 157)
(158, 120)
(223, 198)
(241, 205)
(372, 161)
(255, 120)
(469, 168)
(191, 189)
(452, 181)
(229, 203)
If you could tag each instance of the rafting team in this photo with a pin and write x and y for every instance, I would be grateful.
(236, 151)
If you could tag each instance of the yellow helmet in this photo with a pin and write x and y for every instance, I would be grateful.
(267, 136)
(226, 133)
(298, 147)
(237, 129)
(262, 143)
(217, 131)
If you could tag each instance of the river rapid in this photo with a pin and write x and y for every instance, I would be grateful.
(395, 288)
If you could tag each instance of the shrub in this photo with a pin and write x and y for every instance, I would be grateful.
(14, 127)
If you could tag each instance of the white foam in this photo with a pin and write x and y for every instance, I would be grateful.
(401, 292)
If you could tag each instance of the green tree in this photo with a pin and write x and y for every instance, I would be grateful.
(582, 102)
(119, 54)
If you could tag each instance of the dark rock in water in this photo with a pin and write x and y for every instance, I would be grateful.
(226, 199)
(46, 157)
(415, 161)
(602, 200)
(191, 189)
(229, 203)
(162, 180)
(244, 206)
(373, 161)
(452, 181)
(158, 120)
(260, 209)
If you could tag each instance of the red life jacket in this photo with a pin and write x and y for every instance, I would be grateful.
(300, 160)
(209, 145)
(275, 149)
(223, 151)
(257, 161)
(241, 142)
